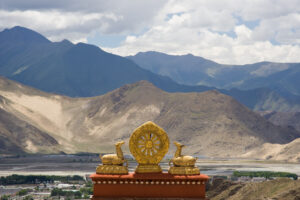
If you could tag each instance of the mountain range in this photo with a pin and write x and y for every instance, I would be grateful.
(209, 107)
(208, 123)
(260, 86)
(193, 70)
(83, 70)
(76, 70)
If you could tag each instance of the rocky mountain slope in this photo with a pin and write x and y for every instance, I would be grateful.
(185, 69)
(279, 189)
(209, 123)
(264, 99)
(283, 118)
(193, 70)
(260, 86)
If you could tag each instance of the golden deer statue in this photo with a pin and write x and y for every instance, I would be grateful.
(114, 159)
(181, 160)
(183, 165)
(113, 163)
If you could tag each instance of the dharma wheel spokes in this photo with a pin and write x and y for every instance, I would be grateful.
(149, 144)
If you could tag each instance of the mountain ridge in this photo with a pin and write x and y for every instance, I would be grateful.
(209, 123)
(283, 118)
(55, 67)
(191, 70)
(22, 34)
(83, 70)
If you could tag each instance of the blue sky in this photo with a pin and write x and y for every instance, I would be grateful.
(106, 40)
(230, 32)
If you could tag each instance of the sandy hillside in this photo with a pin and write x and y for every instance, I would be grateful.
(279, 189)
(209, 123)
(289, 152)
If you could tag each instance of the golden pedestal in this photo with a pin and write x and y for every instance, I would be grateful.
(111, 169)
(148, 169)
(184, 170)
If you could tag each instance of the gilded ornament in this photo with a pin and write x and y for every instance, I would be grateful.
(148, 144)
(182, 165)
(113, 163)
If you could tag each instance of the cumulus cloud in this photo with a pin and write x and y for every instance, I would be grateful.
(218, 30)
(283, 29)
(214, 29)
(56, 25)
(133, 15)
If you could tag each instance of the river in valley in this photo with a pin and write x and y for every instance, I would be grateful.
(86, 164)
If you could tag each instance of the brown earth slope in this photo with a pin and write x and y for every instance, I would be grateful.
(209, 123)
(279, 189)
(19, 137)
(283, 118)
(288, 152)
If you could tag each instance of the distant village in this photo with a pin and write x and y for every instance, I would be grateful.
(78, 187)
(255, 176)
(57, 189)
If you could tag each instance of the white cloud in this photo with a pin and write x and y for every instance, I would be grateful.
(283, 29)
(134, 14)
(58, 25)
(215, 29)
(212, 29)
(265, 9)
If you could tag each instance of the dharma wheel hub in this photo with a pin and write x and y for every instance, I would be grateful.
(148, 144)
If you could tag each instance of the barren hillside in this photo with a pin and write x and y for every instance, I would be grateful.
(283, 118)
(209, 123)
(279, 189)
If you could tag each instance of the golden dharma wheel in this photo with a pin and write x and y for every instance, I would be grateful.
(149, 144)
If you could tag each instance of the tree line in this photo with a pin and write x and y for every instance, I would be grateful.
(32, 179)
(266, 174)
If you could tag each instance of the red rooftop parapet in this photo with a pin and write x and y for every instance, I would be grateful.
(156, 185)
